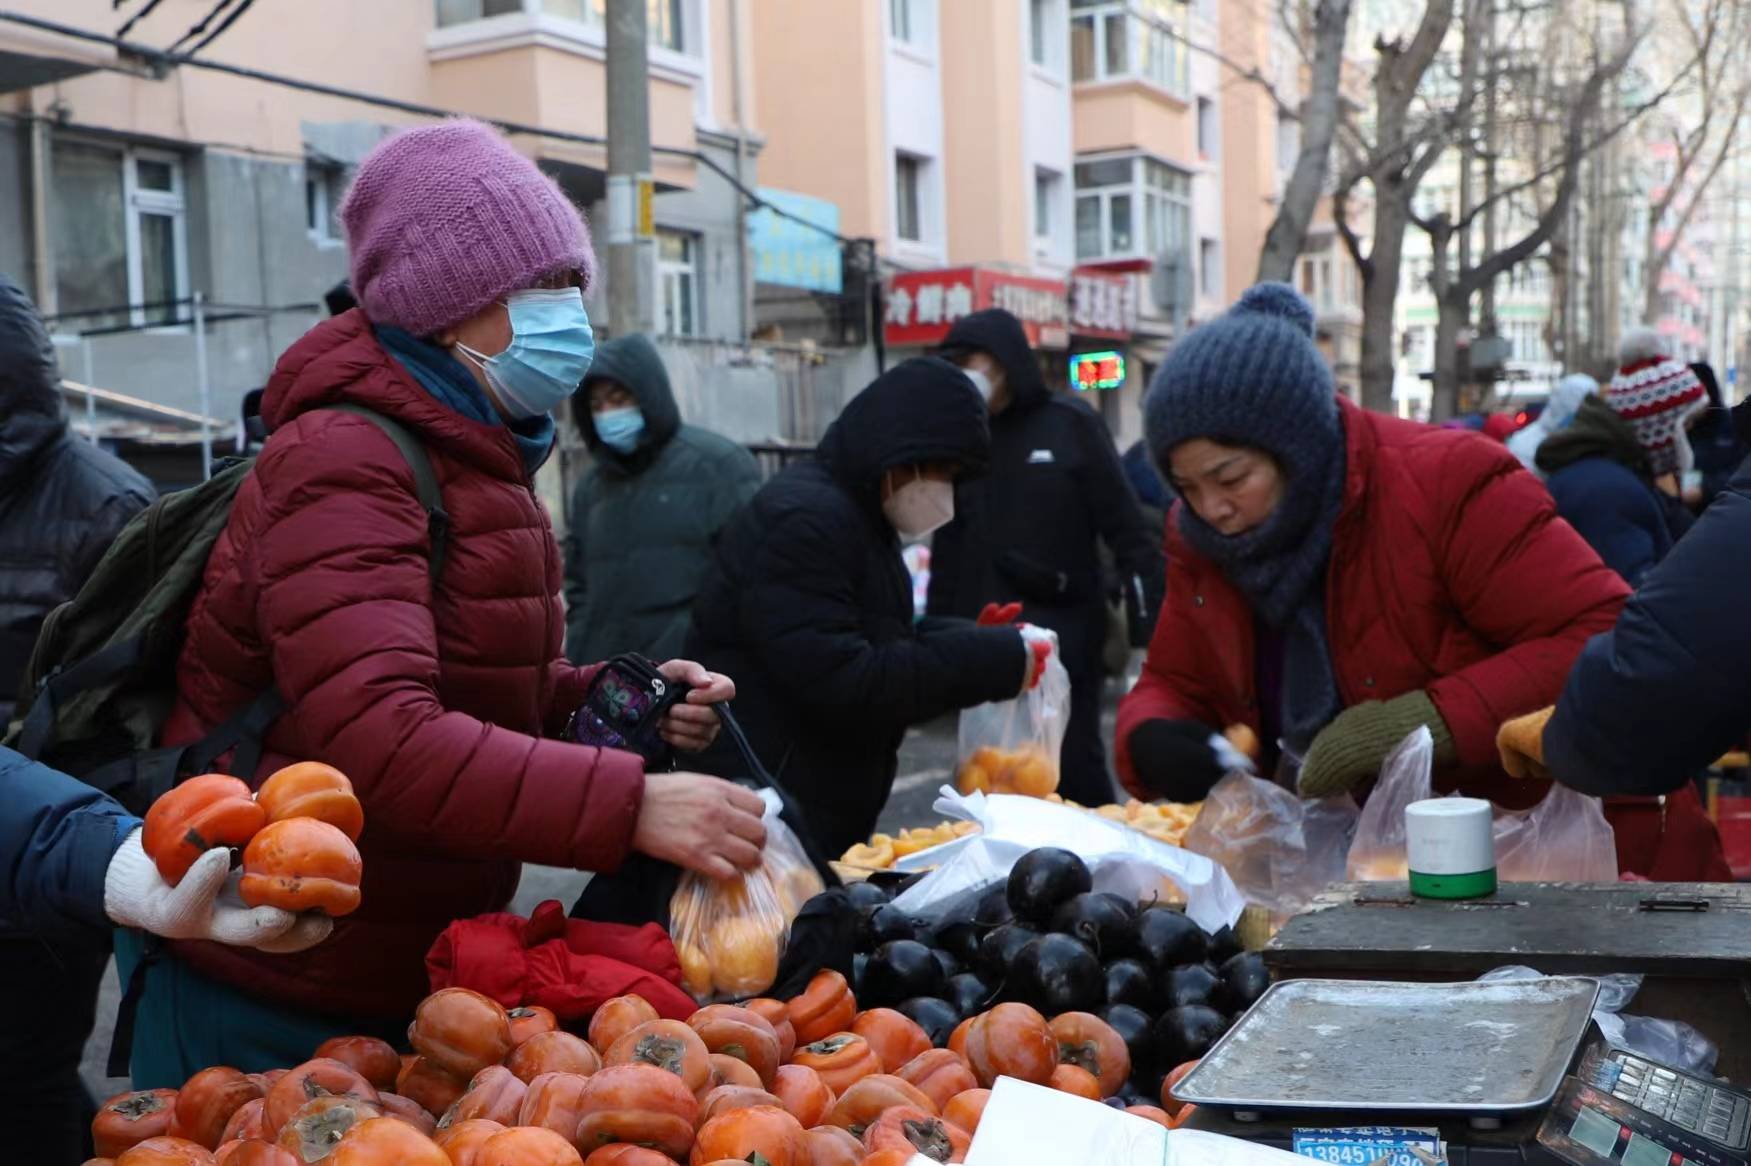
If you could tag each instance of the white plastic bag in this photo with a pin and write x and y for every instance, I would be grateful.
(1564, 838)
(1121, 859)
(1279, 850)
(1012, 746)
(730, 934)
(1670, 1042)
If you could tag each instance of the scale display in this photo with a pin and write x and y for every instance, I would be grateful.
(1622, 1110)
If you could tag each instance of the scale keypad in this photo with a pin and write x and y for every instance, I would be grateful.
(1683, 1100)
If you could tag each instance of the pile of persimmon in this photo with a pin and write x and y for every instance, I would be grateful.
(1028, 770)
(297, 834)
(810, 1082)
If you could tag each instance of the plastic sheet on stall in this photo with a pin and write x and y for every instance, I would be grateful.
(1121, 859)
(1564, 838)
(1279, 850)
(1669, 1042)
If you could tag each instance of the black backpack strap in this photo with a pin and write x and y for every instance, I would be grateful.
(425, 479)
(732, 729)
(102, 666)
(121, 1044)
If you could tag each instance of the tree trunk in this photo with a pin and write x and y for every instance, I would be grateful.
(1653, 265)
(1319, 122)
(1455, 315)
(1379, 295)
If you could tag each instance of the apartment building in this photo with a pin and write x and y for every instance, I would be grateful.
(127, 190)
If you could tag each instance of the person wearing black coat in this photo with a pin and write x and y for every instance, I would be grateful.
(1651, 703)
(1715, 439)
(62, 502)
(1028, 531)
(808, 604)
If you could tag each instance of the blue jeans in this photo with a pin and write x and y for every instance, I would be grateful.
(187, 1022)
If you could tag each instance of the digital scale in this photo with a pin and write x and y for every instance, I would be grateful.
(1620, 1109)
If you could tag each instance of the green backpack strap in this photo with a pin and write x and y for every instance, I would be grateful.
(425, 479)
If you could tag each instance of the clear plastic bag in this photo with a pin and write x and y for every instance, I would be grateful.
(730, 934)
(1564, 838)
(1012, 746)
(1279, 850)
(1670, 1042)
(1121, 859)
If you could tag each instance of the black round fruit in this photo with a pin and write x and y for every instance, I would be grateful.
(1193, 984)
(899, 970)
(968, 993)
(998, 949)
(992, 909)
(1042, 881)
(888, 923)
(1137, 1029)
(961, 940)
(1056, 974)
(1100, 921)
(1168, 939)
(1244, 980)
(936, 1017)
(1185, 1034)
(947, 961)
(865, 896)
(1224, 944)
(859, 964)
(1131, 982)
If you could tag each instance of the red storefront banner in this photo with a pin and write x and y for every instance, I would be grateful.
(923, 305)
(1103, 304)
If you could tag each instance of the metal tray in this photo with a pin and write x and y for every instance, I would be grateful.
(1476, 1048)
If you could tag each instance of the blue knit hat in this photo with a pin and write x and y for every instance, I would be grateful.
(1253, 376)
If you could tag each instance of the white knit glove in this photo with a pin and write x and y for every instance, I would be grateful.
(204, 905)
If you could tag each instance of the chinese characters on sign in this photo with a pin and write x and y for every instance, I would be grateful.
(923, 305)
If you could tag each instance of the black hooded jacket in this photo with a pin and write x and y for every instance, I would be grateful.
(808, 606)
(642, 524)
(1027, 531)
(62, 500)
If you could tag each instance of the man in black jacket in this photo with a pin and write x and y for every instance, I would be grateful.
(809, 606)
(1028, 530)
(62, 501)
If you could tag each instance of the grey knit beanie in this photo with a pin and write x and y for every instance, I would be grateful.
(1253, 376)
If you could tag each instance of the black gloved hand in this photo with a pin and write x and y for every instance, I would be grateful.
(1181, 760)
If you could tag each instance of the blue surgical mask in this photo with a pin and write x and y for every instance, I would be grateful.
(550, 351)
(620, 428)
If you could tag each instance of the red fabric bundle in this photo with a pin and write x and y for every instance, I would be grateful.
(569, 965)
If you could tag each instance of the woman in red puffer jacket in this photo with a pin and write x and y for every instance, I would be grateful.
(440, 697)
(1338, 578)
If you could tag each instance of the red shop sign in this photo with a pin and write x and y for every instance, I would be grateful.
(923, 305)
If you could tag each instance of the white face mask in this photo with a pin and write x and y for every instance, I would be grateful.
(980, 382)
(919, 507)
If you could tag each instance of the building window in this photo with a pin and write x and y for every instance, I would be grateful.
(678, 277)
(1132, 207)
(908, 179)
(900, 21)
(1210, 269)
(1208, 134)
(665, 20)
(120, 237)
(462, 11)
(324, 187)
(1040, 31)
(1045, 194)
(1130, 39)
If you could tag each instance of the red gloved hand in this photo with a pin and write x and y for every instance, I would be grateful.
(1040, 643)
(993, 615)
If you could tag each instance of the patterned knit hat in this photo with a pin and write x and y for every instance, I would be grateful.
(1657, 395)
(444, 219)
(1252, 376)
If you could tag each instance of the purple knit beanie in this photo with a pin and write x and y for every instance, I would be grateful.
(444, 219)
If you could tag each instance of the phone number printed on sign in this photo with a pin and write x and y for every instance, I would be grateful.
(1367, 1146)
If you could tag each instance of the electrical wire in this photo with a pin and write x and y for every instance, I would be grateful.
(137, 17)
(223, 25)
(160, 59)
(200, 26)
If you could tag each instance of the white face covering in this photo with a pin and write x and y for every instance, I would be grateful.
(980, 382)
(919, 507)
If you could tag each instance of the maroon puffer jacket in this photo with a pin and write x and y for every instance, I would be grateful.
(434, 703)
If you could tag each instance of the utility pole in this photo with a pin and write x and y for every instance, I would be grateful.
(632, 268)
(1487, 320)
